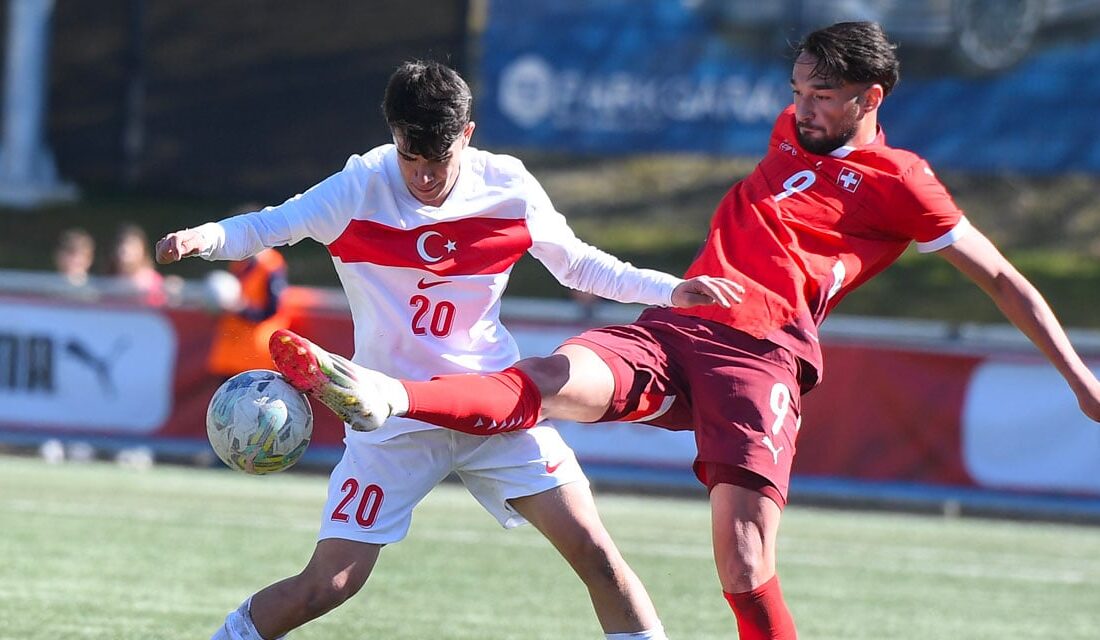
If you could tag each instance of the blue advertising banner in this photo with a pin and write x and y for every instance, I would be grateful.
(986, 86)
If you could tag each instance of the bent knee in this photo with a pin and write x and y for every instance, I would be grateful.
(574, 382)
(549, 373)
(744, 571)
(322, 593)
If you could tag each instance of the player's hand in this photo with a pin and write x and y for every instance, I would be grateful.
(707, 290)
(179, 245)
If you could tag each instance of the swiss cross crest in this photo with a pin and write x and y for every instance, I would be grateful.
(849, 180)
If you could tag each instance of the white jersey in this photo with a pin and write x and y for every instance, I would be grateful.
(424, 283)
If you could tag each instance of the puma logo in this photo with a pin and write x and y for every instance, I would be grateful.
(100, 365)
(771, 447)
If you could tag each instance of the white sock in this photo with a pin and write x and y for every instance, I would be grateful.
(238, 625)
(657, 633)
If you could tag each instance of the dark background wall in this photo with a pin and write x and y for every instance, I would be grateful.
(249, 98)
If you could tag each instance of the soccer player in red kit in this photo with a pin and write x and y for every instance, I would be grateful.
(829, 206)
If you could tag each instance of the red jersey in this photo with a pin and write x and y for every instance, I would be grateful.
(802, 230)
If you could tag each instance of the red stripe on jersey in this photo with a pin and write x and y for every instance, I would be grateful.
(460, 247)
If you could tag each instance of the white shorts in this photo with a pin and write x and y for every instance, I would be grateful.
(373, 489)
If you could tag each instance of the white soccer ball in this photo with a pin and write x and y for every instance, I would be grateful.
(257, 423)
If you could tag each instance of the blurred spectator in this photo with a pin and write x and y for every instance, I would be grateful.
(240, 341)
(74, 255)
(132, 264)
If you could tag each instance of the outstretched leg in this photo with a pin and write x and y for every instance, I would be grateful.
(336, 572)
(567, 517)
(572, 384)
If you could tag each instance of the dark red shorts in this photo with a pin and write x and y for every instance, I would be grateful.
(740, 395)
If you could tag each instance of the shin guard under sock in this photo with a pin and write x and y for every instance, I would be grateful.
(476, 403)
(762, 613)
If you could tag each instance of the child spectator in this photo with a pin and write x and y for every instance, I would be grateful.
(74, 255)
(132, 264)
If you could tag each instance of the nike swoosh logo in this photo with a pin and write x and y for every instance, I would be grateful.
(428, 285)
(551, 468)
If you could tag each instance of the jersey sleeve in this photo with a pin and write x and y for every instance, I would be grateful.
(578, 265)
(321, 214)
(922, 210)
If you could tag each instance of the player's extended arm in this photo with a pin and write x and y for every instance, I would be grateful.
(976, 257)
(320, 213)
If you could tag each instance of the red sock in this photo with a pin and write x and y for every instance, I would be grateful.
(476, 403)
(762, 614)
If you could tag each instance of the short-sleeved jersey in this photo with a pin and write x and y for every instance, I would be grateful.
(802, 230)
(424, 283)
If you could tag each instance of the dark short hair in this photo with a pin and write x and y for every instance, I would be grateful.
(429, 105)
(853, 52)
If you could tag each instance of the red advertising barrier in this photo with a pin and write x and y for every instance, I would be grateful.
(886, 410)
(883, 413)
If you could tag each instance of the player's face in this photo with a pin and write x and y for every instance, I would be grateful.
(430, 180)
(827, 114)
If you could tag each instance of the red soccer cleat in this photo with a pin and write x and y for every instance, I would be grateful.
(351, 391)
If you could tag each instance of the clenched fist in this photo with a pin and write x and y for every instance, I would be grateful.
(180, 244)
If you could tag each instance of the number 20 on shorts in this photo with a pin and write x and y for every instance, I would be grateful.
(370, 501)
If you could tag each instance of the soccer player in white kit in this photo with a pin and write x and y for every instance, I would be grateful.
(423, 234)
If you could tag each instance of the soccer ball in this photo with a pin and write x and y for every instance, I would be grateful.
(257, 423)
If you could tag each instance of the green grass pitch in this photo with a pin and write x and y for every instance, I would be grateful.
(100, 551)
